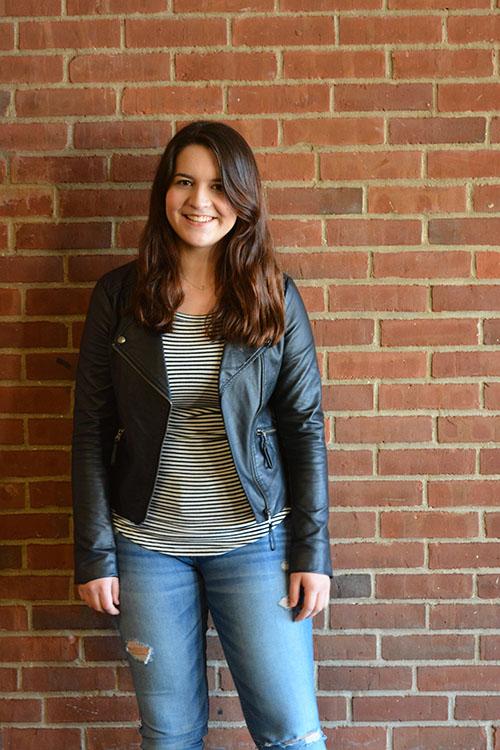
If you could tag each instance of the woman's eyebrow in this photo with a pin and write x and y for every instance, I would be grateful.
(183, 174)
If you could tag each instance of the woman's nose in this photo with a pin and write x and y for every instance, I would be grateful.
(199, 196)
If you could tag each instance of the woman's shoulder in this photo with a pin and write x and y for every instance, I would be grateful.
(118, 278)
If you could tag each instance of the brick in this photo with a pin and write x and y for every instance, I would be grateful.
(103, 202)
(468, 231)
(489, 461)
(377, 297)
(116, 738)
(468, 97)
(428, 524)
(128, 233)
(333, 64)
(440, 63)
(492, 521)
(120, 7)
(31, 69)
(352, 524)
(426, 461)
(103, 648)
(446, 738)
(286, 166)
(225, 708)
(356, 232)
(376, 365)
(8, 680)
(293, 233)
(10, 367)
(351, 585)
(31, 7)
(436, 130)
(58, 169)
(429, 396)
(383, 429)
(175, 32)
(20, 136)
(369, 97)
(477, 707)
(284, 31)
(20, 710)
(423, 586)
(10, 557)
(12, 495)
(278, 98)
(377, 493)
(364, 678)
(428, 332)
(486, 198)
(50, 367)
(227, 6)
(26, 463)
(400, 708)
(467, 555)
(428, 647)
(464, 616)
(470, 163)
(360, 555)
(69, 617)
(172, 99)
(459, 364)
(416, 199)
(488, 265)
(25, 201)
(426, 264)
(11, 431)
(50, 557)
(340, 265)
(59, 679)
(347, 397)
(232, 66)
(489, 646)
(369, 616)
(27, 399)
(477, 297)
(91, 267)
(65, 101)
(5, 98)
(88, 709)
(332, 708)
(378, 165)
(437, 4)
(57, 301)
(35, 333)
(122, 135)
(459, 429)
(319, 201)
(334, 131)
(40, 738)
(38, 648)
(343, 332)
(466, 493)
(69, 34)
(472, 28)
(42, 431)
(350, 463)
(131, 66)
(34, 525)
(42, 268)
(10, 302)
(492, 395)
(6, 36)
(345, 737)
(141, 166)
(341, 647)
(13, 617)
(386, 29)
(64, 236)
(49, 494)
(469, 677)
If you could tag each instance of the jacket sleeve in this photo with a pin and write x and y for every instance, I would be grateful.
(296, 402)
(94, 426)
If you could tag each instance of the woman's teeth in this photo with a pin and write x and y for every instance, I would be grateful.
(199, 219)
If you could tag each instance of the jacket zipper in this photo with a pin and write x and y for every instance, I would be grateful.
(117, 439)
(268, 460)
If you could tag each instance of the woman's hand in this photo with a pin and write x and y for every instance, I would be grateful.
(102, 594)
(316, 588)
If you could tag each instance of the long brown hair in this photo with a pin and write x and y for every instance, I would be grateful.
(250, 306)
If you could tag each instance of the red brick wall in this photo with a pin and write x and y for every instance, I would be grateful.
(376, 126)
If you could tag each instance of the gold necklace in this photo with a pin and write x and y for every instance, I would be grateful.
(201, 288)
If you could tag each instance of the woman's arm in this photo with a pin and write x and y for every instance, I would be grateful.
(95, 422)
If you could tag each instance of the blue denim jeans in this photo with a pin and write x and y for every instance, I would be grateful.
(164, 601)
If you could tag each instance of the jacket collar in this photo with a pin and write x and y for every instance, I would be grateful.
(144, 350)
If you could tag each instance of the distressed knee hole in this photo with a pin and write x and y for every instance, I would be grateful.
(307, 739)
(285, 565)
(139, 651)
(283, 602)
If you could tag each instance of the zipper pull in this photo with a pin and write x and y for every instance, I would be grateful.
(263, 446)
(115, 444)
(272, 542)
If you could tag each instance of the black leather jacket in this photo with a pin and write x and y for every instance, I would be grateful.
(271, 405)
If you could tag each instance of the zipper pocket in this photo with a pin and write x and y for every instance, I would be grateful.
(117, 439)
(263, 445)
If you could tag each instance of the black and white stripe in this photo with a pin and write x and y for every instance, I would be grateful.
(198, 506)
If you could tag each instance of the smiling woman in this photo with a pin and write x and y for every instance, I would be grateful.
(200, 479)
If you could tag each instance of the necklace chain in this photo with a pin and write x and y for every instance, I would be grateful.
(201, 288)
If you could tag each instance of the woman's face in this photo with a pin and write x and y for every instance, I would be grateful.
(196, 206)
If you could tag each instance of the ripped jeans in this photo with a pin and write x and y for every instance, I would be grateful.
(164, 602)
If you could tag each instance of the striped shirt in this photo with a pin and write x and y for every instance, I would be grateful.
(198, 505)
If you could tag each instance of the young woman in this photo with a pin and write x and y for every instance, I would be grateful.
(200, 478)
